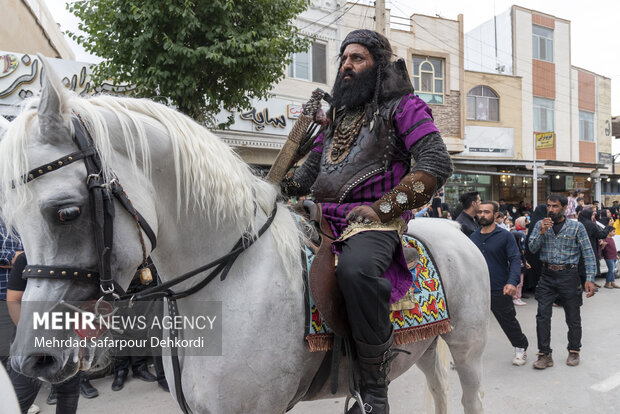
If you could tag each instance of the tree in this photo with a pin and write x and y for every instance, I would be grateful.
(199, 55)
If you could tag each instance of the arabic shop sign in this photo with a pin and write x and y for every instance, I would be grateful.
(545, 140)
(20, 76)
(262, 118)
(275, 116)
(8, 64)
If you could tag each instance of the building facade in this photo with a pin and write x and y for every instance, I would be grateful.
(31, 30)
(565, 110)
(431, 47)
(505, 96)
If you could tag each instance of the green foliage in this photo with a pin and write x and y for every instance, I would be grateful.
(198, 55)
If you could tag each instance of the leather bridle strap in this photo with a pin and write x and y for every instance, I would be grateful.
(222, 265)
(101, 195)
(101, 207)
(60, 162)
(176, 364)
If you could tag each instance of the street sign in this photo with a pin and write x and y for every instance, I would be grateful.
(545, 140)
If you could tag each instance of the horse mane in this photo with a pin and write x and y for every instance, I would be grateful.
(211, 179)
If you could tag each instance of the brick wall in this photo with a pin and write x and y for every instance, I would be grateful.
(448, 116)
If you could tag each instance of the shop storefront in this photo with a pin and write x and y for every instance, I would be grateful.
(462, 183)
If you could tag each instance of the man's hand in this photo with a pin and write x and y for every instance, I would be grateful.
(363, 214)
(510, 290)
(17, 253)
(547, 223)
(590, 289)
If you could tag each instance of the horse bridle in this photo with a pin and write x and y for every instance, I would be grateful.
(102, 191)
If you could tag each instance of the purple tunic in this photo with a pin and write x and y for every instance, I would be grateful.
(413, 120)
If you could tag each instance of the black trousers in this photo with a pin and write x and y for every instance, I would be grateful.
(7, 331)
(363, 260)
(27, 388)
(123, 362)
(504, 311)
(564, 285)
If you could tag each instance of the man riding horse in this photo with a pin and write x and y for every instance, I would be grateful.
(361, 172)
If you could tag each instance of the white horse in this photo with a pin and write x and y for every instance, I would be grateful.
(199, 197)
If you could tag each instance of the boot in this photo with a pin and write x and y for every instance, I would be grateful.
(52, 399)
(86, 388)
(374, 363)
(142, 372)
(119, 379)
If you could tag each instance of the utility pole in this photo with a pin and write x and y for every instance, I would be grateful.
(380, 16)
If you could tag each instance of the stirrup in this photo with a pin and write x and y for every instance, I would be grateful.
(358, 398)
(354, 392)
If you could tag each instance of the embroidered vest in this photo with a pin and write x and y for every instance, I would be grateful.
(370, 154)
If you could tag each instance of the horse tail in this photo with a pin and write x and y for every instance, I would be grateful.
(434, 364)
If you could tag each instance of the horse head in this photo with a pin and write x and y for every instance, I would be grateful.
(52, 209)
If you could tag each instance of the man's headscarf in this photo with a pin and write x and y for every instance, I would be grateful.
(377, 44)
(392, 79)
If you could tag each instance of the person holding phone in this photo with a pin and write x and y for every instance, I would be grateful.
(561, 243)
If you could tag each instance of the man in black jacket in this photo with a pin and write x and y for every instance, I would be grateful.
(500, 250)
(470, 202)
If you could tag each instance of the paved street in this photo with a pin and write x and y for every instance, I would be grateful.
(592, 387)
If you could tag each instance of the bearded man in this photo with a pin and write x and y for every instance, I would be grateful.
(361, 172)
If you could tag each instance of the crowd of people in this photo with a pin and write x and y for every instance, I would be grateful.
(554, 250)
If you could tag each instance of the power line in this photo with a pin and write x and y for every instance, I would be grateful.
(456, 50)
(456, 66)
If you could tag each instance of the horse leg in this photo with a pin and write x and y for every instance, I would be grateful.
(467, 347)
(436, 377)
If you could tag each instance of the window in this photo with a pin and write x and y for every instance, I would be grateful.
(310, 65)
(542, 43)
(543, 115)
(586, 126)
(428, 79)
(482, 104)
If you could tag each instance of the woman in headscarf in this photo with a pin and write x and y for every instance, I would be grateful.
(595, 233)
(533, 273)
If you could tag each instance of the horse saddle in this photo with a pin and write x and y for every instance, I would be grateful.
(324, 287)
(323, 284)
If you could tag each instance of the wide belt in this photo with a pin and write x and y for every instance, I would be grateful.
(556, 267)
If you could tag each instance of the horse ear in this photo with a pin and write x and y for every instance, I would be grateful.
(51, 103)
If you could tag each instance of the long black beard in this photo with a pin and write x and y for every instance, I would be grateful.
(356, 91)
(556, 218)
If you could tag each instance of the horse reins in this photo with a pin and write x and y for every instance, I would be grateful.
(102, 191)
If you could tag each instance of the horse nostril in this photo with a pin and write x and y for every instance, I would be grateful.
(44, 361)
(39, 365)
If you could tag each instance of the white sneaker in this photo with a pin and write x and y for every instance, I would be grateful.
(34, 409)
(520, 357)
(519, 302)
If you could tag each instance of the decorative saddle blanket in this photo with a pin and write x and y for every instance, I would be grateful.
(420, 314)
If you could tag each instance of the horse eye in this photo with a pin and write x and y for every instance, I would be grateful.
(68, 214)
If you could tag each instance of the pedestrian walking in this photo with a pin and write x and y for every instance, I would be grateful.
(610, 254)
(500, 250)
(561, 242)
